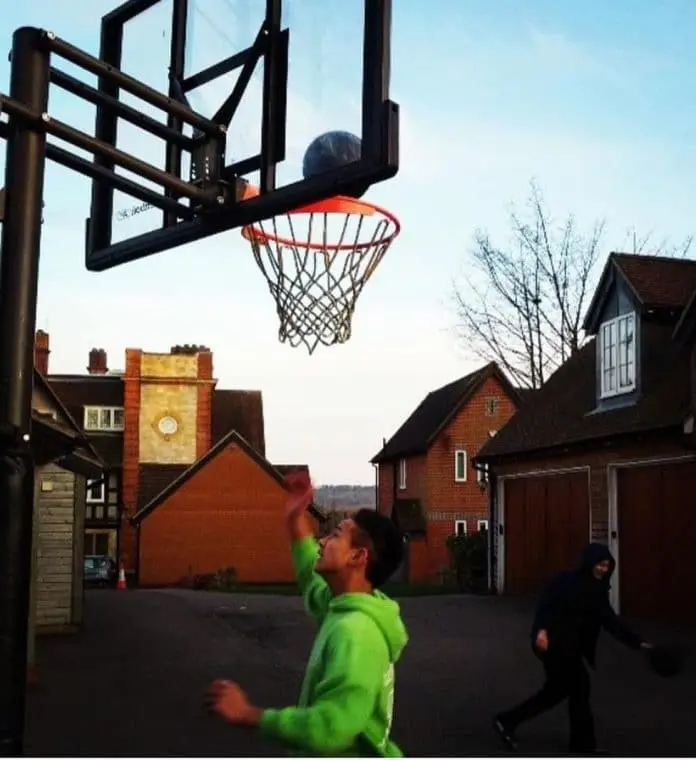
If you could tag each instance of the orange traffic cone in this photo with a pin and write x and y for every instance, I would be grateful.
(122, 578)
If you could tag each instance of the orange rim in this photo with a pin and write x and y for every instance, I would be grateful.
(339, 204)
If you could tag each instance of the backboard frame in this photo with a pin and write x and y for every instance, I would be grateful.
(380, 134)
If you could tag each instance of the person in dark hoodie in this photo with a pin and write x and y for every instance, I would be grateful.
(569, 617)
(347, 698)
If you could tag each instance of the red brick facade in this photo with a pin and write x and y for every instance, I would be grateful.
(206, 386)
(133, 381)
(431, 478)
(131, 457)
(208, 525)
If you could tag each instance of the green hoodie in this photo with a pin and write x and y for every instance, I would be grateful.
(347, 696)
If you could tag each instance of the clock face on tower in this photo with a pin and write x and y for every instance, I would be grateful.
(167, 425)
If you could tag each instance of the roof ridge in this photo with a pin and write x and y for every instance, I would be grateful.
(653, 257)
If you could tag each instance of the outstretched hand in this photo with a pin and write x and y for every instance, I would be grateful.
(227, 700)
(300, 494)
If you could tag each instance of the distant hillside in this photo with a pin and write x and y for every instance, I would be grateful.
(345, 497)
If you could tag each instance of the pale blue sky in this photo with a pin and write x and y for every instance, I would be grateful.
(594, 100)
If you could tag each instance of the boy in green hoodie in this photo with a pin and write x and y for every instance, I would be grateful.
(347, 697)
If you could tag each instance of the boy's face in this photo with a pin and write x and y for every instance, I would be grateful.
(601, 569)
(338, 554)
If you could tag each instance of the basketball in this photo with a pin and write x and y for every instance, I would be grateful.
(330, 151)
(665, 661)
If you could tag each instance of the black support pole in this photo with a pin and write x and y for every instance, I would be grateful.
(19, 270)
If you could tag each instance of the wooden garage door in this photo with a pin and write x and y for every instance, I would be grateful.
(657, 541)
(547, 525)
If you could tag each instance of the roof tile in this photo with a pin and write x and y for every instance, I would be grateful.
(657, 280)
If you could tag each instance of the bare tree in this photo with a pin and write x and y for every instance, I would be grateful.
(523, 306)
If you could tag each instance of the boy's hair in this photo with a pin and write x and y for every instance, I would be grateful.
(384, 542)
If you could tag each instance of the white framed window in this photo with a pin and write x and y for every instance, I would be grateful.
(402, 474)
(96, 491)
(482, 526)
(460, 528)
(460, 466)
(103, 418)
(617, 355)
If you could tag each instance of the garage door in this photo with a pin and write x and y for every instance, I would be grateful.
(657, 541)
(547, 525)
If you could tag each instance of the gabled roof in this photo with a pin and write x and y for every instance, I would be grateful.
(233, 437)
(657, 282)
(562, 412)
(81, 457)
(436, 410)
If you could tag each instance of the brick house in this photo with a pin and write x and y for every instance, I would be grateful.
(605, 449)
(150, 424)
(225, 510)
(425, 478)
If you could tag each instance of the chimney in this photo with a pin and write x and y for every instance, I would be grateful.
(41, 351)
(97, 362)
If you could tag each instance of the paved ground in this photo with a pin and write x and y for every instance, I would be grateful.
(131, 682)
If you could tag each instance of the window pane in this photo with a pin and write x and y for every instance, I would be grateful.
(105, 419)
(92, 419)
(118, 419)
(101, 543)
(95, 490)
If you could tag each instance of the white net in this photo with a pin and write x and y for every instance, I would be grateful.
(316, 265)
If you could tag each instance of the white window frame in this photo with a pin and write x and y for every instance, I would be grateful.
(101, 499)
(480, 523)
(101, 410)
(461, 524)
(616, 355)
(460, 478)
(402, 474)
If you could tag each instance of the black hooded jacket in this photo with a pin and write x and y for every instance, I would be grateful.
(575, 607)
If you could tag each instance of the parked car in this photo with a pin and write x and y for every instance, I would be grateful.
(100, 570)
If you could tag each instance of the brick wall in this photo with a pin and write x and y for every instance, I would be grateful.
(206, 386)
(230, 514)
(385, 488)
(131, 456)
(449, 500)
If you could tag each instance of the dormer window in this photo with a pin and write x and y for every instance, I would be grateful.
(617, 355)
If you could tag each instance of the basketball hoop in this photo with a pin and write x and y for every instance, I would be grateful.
(316, 261)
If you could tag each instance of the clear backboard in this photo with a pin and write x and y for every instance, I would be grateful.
(274, 75)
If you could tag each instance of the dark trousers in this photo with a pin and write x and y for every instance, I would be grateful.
(566, 678)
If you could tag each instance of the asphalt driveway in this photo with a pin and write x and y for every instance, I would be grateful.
(131, 683)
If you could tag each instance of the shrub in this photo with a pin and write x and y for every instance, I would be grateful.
(225, 579)
(470, 561)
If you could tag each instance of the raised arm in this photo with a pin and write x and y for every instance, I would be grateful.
(305, 550)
